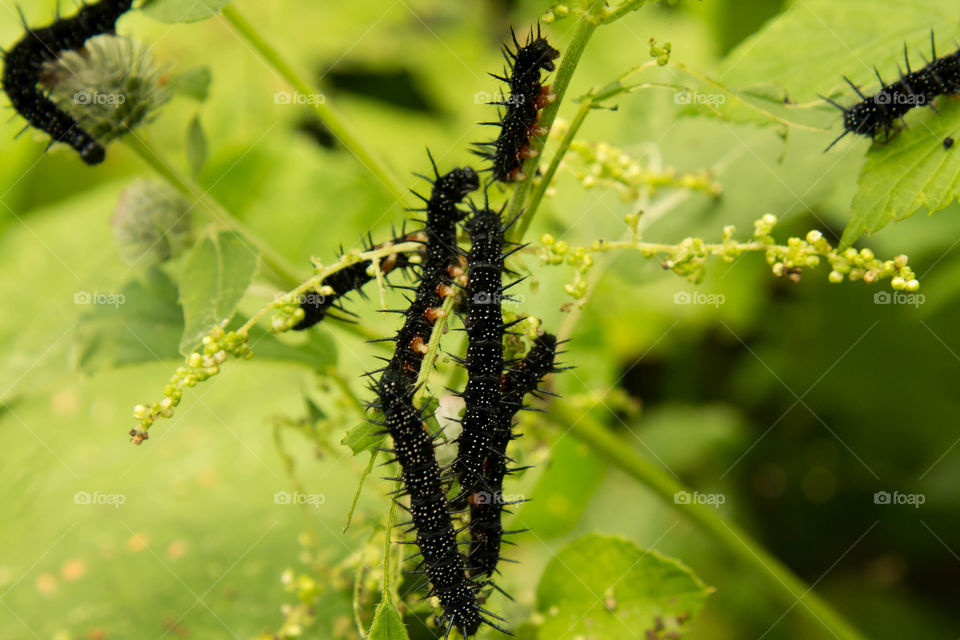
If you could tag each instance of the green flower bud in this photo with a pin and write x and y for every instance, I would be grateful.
(110, 86)
(151, 223)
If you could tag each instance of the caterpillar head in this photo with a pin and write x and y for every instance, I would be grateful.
(543, 54)
(459, 183)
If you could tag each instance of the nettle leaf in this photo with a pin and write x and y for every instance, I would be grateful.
(810, 46)
(914, 170)
(172, 11)
(193, 83)
(216, 273)
(828, 40)
(387, 624)
(317, 350)
(361, 437)
(144, 324)
(600, 586)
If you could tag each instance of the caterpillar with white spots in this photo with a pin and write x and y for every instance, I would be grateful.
(526, 96)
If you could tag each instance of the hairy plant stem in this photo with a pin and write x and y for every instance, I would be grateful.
(278, 269)
(331, 118)
(584, 29)
(777, 577)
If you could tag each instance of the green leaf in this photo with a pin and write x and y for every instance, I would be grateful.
(563, 489)
(600, 586)
(317, 351)
(387, 624)
(826, 39)
(193, 83)
(144, 325)
(914, 170)
(216, 273)
(361, 437)
(196, 146)
(172, 11)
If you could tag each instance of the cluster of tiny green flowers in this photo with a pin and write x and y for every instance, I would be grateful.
(198, 367)
(688, 257)
(661, 52)
(849, 264)
(607, 166)
(558, 252)
(561, 10)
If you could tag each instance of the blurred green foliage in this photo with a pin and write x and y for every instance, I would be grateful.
(796, 401)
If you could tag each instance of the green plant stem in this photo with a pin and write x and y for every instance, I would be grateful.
(279, 270)
(778, 578)
(625, 8)
(330, 117)
(551, 171)
(586, 25)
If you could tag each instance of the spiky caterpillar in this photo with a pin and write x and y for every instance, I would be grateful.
(484, 360)
(487, 505)
(521, 106)
(877, 114)
(353, 278)
(444, 565)
(438, 269)
(23, 65)
(436, 538)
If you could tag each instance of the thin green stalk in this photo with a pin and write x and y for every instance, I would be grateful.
(581, 36)
(279, 270)
(627, 7)
(551, 171)
(777, 577)
(330, 117)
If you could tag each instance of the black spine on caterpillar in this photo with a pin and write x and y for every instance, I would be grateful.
(440, 260)
(876, 115)
(23, 65)
(486, 507)
(316, 307)
(484, 360)
(444, 565)
(521, 106)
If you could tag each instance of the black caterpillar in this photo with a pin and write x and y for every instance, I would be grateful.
(413, 447)
(443, 563)
(877, 114)
(439, 269)
(526, 97)
(487, 505)
(23, 64)
(316, 307)
(484, 359)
